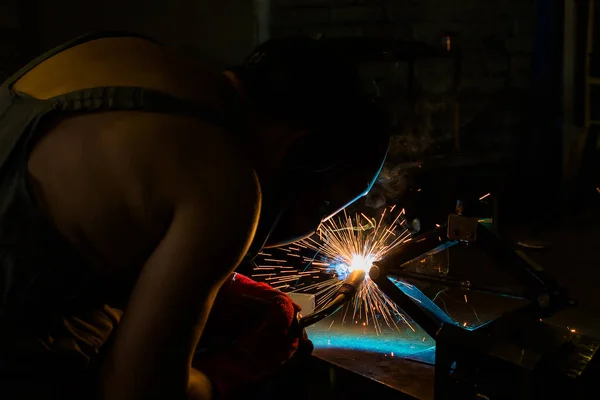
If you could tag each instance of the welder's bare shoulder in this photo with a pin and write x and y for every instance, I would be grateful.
(184, 157)
(192, 169)
(187, 166)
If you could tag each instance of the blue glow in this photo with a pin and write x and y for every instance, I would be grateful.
(359, 262)
(372, 183)
(393, 344)
(341, 270)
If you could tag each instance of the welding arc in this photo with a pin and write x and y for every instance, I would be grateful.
(349, 288)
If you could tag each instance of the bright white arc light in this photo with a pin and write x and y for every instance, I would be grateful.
(360, 262)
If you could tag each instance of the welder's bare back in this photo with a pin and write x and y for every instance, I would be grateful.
(113, 189)
(161, 198)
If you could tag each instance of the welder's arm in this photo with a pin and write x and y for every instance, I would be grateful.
(214, 218)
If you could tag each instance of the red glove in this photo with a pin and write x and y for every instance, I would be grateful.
(251, 332)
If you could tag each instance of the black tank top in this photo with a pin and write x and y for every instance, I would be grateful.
(51, 312)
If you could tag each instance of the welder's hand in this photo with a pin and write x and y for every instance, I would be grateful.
(252, 331)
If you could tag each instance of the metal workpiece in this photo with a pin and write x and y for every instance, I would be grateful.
(517, 343)
(426, 316)
(462, 284)
(410, 250)
(461, 228)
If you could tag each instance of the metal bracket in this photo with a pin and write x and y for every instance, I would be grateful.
(461, 228)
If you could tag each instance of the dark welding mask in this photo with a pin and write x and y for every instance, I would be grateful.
(309, 84)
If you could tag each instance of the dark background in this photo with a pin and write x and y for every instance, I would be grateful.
(496, 97)
(219, 32)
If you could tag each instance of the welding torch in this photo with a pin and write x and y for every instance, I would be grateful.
(349, 288)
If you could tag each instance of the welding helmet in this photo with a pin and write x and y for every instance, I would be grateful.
(310, 85)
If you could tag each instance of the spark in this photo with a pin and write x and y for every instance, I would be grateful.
(340, 246)
(485, 196)
(349, 248)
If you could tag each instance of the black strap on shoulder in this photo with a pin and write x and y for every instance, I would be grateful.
(125, 98)
(88, 37)
(116, 98)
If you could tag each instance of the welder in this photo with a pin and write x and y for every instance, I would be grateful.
(134, 183)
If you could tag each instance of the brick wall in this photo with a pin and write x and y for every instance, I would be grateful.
(494, 37)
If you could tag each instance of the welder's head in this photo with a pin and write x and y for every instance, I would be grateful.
(334, 139)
